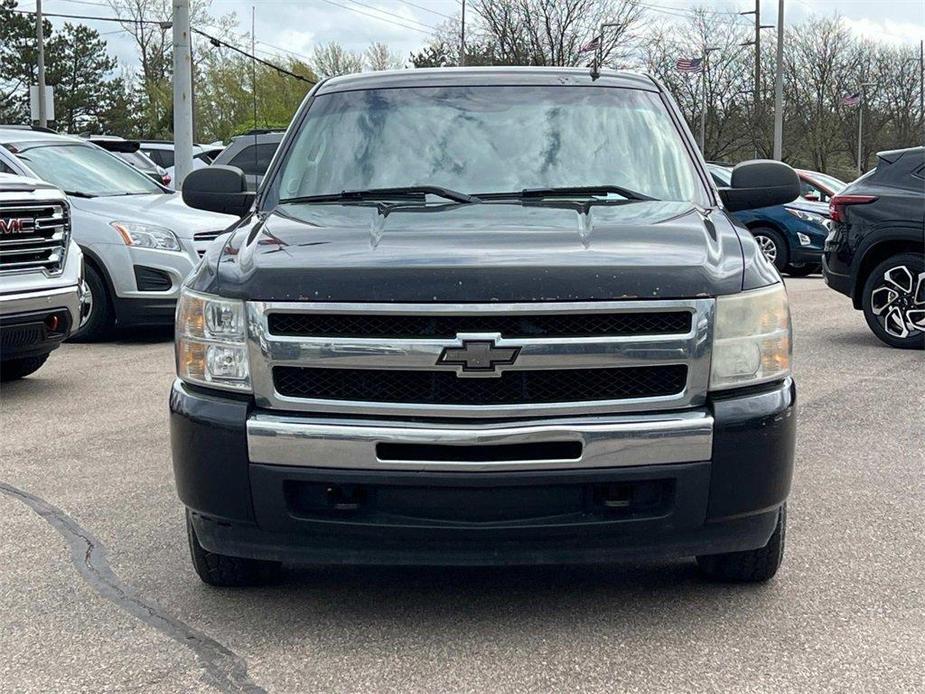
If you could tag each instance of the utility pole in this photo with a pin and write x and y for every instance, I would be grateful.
(462, 36)
(182, 90)
(40, 38)
(703, 97)
(757, 44)
(864, 86)
(779, 86)
(922, 84)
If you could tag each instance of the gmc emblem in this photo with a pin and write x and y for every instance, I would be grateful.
(13, 226)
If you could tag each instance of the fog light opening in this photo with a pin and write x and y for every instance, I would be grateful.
(53, 323)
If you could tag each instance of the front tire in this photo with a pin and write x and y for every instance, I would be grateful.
(101, 318)
(893, 300)
(751, 566)
(13, 369)
(773, 247)
(224, 571)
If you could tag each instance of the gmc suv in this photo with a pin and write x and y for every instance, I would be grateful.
(41, 275)
(485, 316)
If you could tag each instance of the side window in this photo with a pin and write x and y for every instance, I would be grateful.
(254, 160)
(811, 192)
(4, 168)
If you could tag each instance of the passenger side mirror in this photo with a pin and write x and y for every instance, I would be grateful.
(218, 189)
(760, 183)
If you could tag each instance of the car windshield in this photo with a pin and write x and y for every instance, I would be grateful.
(489, 139)
(86, 170)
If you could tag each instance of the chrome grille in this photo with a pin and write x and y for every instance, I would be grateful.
(33, 235)
(403, 359)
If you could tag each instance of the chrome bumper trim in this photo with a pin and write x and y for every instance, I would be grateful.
(614, 441)
(40, 300)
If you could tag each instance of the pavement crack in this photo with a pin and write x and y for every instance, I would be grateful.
(222, 668)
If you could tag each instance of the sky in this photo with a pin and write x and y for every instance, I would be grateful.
(295, 26)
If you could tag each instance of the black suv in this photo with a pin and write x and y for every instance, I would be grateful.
(875, 252)
(485, 316)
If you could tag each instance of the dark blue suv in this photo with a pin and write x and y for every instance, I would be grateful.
(791, 236)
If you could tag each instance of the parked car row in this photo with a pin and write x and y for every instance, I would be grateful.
(138, 238)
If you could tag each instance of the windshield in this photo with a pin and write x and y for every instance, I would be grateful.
(87, 170)
(488, 139)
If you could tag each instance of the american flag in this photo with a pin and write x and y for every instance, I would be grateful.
(689, 64)
(592, 45)
(851, 99)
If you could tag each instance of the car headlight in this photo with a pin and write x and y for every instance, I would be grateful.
(752, 338)
(210, 341)
(147, 236)
(810, 217)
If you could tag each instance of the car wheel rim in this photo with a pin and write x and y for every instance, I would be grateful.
(86, 303)
(899, 302)
(768, 248)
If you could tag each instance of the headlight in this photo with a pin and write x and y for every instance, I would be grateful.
(147, 236)
(810, 217)
(752, 338)
(210, 345)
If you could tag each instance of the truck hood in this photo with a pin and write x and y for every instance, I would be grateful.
(164, 209)
(482, 253)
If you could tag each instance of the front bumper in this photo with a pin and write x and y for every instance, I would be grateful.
(318, 489)
(806, 255)
(37, 322)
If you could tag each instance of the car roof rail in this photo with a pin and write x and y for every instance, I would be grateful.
(36, 128)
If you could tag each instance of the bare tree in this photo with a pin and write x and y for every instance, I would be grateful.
(332, 59)
(379, 57)
(552, 32)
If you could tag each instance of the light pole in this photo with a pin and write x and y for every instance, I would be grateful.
(779, 86)
(703, 98)
(864, 86)
(40, 38)
(182, 89)
(462, 36)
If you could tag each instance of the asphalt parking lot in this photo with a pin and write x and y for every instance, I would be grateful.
(97, 592)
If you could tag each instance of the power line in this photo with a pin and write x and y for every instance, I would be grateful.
(219, 43)
(391, 14)
(381, 19)
(426, 9)
(212, 39)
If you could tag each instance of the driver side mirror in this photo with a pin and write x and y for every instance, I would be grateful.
(218, 189)
(760, 183)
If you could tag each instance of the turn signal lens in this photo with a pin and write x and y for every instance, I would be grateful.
(210, 347)
(752, 338)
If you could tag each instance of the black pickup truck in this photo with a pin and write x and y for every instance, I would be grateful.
(485, 316)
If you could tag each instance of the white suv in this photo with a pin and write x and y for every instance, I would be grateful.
(139, 239)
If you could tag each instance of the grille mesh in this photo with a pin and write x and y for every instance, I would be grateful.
(533, 325)
(512, 387)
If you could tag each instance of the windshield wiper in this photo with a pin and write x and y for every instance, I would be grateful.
(78, 194)
(385, 193)
(568, 192)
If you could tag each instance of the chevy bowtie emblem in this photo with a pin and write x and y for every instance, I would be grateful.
(478, 357)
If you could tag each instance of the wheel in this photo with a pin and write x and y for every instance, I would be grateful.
(894, 301)
(99, 316)
(751, 566)
(228, 572)
(773, 246)
(802, 270)
(11, 369)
